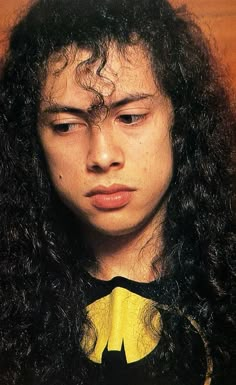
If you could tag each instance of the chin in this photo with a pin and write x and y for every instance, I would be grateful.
(114, 232)
(119, 228)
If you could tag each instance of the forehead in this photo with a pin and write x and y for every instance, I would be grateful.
(72, 73)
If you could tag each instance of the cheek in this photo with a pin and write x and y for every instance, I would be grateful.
(157, 156)
(157, 171)
(56, 165)
(64, 167)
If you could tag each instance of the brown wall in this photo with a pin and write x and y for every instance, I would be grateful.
(217, 18)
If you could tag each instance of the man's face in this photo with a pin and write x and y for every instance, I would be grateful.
(112, 171)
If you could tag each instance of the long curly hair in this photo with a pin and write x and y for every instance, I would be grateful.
(42, 260)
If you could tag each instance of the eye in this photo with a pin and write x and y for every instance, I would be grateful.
(67, 127)
(131, 118)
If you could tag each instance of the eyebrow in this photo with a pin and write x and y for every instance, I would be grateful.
(58, 108)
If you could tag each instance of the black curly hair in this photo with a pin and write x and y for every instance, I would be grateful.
(42, 262)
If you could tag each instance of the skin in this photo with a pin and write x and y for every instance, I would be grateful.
(127, 145)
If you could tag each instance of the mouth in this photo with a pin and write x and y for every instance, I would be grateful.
(110, 198)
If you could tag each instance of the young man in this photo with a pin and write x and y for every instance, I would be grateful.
(117, 239)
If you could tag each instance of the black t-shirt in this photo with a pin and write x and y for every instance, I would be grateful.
(136, 339)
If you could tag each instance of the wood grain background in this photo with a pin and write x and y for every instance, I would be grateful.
(216, 17)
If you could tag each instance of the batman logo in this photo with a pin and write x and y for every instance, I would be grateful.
(119, 321)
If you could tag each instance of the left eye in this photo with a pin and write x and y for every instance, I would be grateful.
(131, 119)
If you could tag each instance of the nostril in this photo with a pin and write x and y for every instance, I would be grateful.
(115, 164)
(97, 169)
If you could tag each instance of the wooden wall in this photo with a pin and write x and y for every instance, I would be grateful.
(217, 18)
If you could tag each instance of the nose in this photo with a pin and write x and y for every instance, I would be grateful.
(105, 152)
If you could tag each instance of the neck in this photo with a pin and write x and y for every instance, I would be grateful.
(133, 256)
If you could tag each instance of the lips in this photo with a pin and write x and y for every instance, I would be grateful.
(110, 198)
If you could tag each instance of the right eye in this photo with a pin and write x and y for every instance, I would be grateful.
(68, 127)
